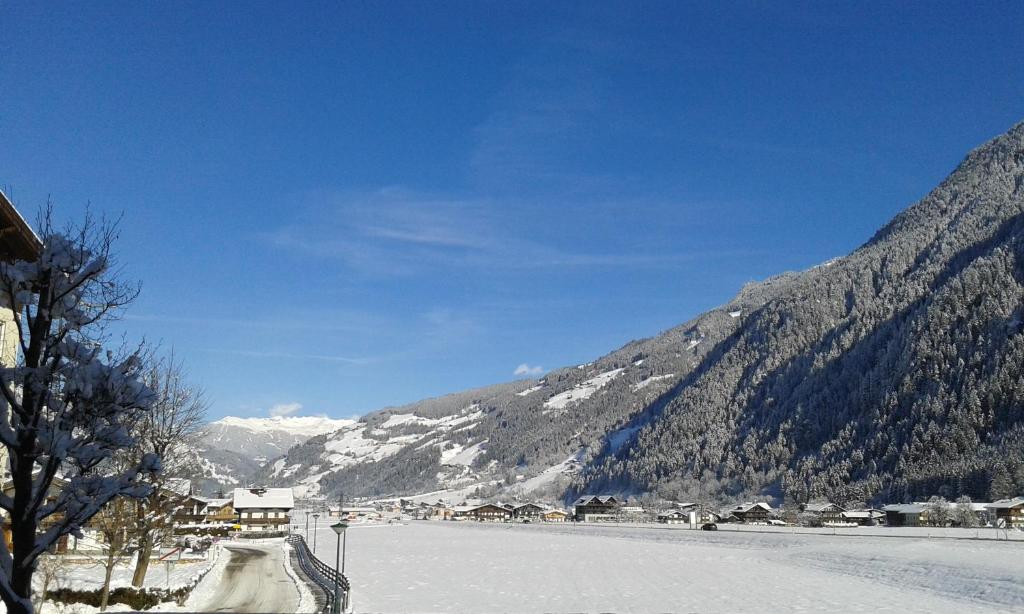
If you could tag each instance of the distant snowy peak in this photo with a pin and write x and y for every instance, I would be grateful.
(303, 426)
(241, 446)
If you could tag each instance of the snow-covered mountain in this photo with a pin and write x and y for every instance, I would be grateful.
(232, 449)
(527, 438)
(890, 374)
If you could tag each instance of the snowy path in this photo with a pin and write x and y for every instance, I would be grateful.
(254, 580)
(458, 567)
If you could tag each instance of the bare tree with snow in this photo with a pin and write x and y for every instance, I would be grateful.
(113, 523)
(172, 423)
(67, 405)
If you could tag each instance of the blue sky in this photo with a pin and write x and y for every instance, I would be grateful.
(343, 206)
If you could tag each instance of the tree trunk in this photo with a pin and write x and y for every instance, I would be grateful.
(105, 595)
(142, 560)
(23, 536)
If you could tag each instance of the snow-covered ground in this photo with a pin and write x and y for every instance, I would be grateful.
(456, 567)
(650, 380)
(81, 573)
(583, 390)
(565, 468)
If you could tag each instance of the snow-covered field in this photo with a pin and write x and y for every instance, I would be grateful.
(456, 567)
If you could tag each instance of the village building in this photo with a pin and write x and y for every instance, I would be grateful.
(865, 518)
(263, 509)
(56, 486)
(554, 516)
(674, 517)
(1008, 513)
(439, 511)
(489, 512)
(527, 511)
(709, 516)
(352, 513)
(191, 510)
(906, 514)
(393, 507)
(750, 513)
(825, 512)
(220, 511)
(592, 508)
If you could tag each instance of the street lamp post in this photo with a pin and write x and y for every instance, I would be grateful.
(307, 526)
(315, 518)
(339, 551)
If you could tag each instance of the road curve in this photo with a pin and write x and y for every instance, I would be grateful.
(254, 580)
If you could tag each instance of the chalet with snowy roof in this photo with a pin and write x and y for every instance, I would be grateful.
(866, 517)
(1008, 513)
(554, 516)
(596, 507)
(750, 513)
(263, 509)
(191, 510)
(824, 511)
(488, 512)
(674, 517)
(220, 511)
(527, 511)
(906, 514)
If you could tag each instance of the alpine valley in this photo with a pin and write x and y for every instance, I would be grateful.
(893, 373)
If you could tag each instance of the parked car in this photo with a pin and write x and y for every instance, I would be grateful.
(709, 526)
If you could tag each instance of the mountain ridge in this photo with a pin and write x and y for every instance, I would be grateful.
(890, 373)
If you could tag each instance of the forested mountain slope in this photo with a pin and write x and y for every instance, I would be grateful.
(892, 373)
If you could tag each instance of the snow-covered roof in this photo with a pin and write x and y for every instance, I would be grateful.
(520, 506)
(746, 507)
(1005, 504)
(821, 506)
(674, 514)
(217, 503)
(863, 514)
(905, 508)
(588, 499)
(276, 498)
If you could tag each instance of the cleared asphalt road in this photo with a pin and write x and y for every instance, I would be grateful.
(254, 581)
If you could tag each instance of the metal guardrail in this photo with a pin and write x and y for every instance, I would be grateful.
(322, 574)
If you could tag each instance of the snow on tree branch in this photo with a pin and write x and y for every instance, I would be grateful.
(69, 405)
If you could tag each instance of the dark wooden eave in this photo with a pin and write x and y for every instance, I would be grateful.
(17, 239)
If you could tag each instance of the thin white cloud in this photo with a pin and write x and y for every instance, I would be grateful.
(290, 355)
(284, 409)
(527, 370)
(396, 232)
